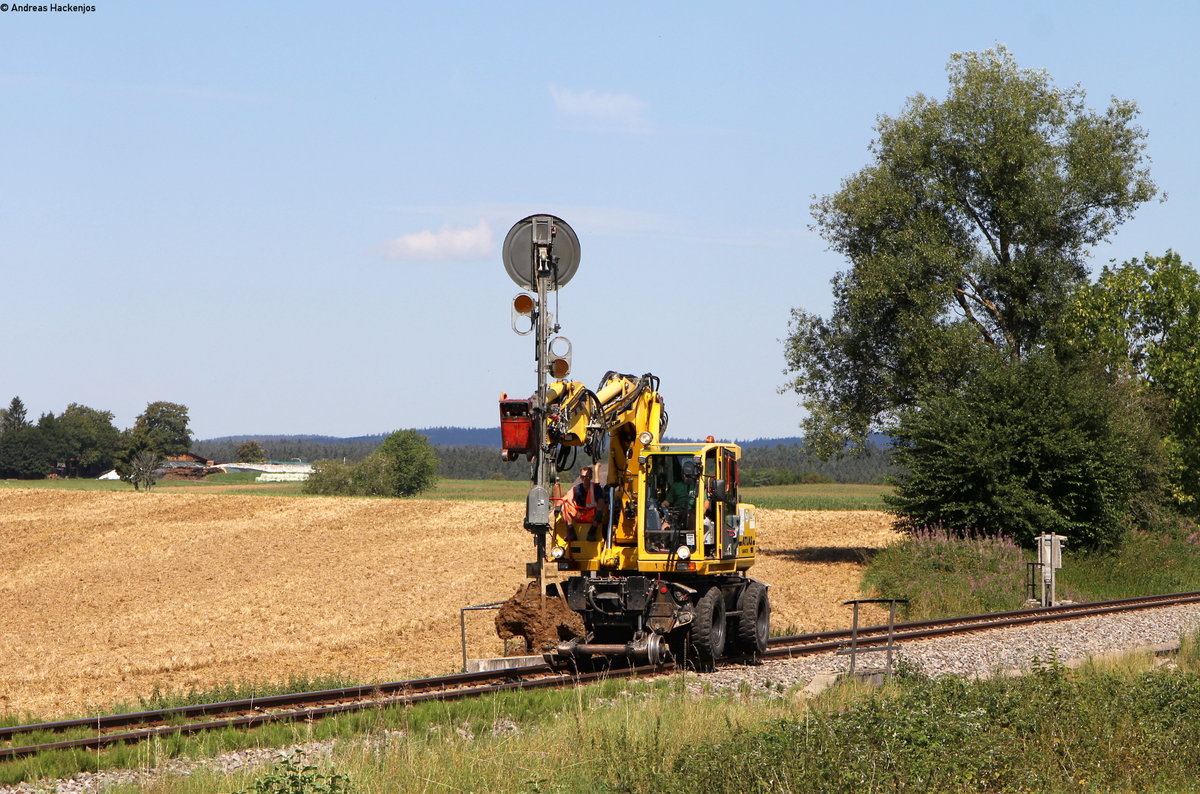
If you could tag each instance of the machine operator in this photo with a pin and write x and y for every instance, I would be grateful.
(587, 503)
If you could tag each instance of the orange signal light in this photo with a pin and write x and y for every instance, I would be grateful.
(523, 303)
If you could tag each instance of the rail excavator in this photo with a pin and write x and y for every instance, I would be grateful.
(655, 553)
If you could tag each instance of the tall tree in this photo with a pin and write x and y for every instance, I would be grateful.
(25, 454)
(412, 460)
(138, 458)
(1143, 319)
(14, 416)
(965, 234)
(24, 451)
(251, 452)
(93, 438)
(165, 425)
(55, 443)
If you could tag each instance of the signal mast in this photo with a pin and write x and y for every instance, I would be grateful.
(541, 253)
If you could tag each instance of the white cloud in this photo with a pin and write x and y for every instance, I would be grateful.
(619, 112)
(448, 244)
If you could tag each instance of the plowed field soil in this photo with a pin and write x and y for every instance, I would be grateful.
(110, 596)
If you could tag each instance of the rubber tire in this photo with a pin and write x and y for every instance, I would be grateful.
(754, 622)
(709, 629)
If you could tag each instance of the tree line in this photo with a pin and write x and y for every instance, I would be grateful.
(84, 442)
(1024, 396)
(282, 449)
(780, 464)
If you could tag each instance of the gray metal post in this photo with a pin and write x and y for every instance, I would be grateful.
(462, 628)
(854, 639)
(543, 267)
(1053, 586)
(891, 633)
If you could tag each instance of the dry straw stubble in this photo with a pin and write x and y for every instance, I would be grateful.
(110, 596)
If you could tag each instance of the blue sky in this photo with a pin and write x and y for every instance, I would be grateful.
(287, 215)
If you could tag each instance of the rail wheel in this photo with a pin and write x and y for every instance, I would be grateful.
(754, 622)
(708, 630)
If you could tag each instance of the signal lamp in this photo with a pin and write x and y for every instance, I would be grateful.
(645, 437)
(559, 368)
(558, 357)
(523, 303)
(523, 306)
(709, 439)
(556, 553)
(683, 552)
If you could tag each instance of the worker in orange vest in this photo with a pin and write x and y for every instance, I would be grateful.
(587, 503)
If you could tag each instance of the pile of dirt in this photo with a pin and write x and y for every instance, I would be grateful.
(542, 621)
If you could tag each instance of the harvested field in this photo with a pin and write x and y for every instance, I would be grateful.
(814, 560)
(109, 596)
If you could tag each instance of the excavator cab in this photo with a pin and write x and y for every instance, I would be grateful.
(671, 488)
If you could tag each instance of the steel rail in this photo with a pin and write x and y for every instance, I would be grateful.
(821, 642)
(266, 702)
(253, 712)
(444, 688)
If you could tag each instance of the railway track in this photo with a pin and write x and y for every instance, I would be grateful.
(96, 733)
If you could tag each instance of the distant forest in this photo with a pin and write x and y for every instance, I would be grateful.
(474, 454)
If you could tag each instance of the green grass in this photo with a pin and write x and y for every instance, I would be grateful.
(823, 496)
(228, 478)
(69, 485)
(1126, 729)
(87, 484)
(434, 730)
(817, 496)
(480, 490)
(1166, 560)
(487, 490)
(1048, 732)
(943, 575)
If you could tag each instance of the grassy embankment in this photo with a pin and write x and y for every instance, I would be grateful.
(830, 496)
(944, 576)
(1126, 727)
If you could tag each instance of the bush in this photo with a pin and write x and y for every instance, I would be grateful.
(329, 478)
(375, 475)
(1028, 448)
(415, 465)
(404, 465)
(293, 776)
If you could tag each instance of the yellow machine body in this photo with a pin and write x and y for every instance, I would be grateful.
(662, 568)
(644, 532)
